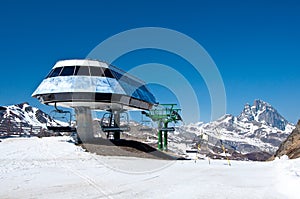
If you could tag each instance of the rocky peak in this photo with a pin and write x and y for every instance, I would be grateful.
(264, 113)
(246, 114)
(22, 105)
(260, 105)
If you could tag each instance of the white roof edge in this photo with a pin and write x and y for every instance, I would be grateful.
(80, 62)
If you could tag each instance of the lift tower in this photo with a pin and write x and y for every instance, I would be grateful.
(163, 114)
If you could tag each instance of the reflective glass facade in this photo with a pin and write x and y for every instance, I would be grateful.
(95, 80)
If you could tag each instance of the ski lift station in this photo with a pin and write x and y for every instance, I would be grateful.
(87, 85)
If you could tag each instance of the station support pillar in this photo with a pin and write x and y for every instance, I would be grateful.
(117, 134)
(84, 123)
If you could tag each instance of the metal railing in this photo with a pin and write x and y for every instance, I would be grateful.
(18, 128)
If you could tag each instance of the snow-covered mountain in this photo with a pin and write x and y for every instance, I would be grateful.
(25, 114)
(263, 113)
(258, 128)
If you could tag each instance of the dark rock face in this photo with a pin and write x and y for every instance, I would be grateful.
(291, 146)
(258, 156)
(41, 116)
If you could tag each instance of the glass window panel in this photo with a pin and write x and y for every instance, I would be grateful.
(49, 74)
(67, 71)
(76, 70)
(146, 95)
(116, 74)
(55, 72)
(96, 71)
(82, 71)
(107, 73)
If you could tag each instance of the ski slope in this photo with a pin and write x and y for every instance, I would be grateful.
(55, 168)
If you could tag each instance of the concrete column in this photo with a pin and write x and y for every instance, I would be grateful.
(117, 125)
(84, 123)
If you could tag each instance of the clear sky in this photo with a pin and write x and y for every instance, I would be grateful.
(255, 44)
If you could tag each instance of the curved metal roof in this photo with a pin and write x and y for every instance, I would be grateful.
(80, 62)
(112, 86)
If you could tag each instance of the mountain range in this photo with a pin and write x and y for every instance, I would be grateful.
(258, 128)
(24, 114)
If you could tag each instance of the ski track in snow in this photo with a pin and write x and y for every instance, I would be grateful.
(55, 168)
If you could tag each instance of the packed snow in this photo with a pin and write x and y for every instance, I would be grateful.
(56, 168)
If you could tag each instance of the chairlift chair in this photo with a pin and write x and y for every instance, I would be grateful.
(60, 114)
(115, 123)
(144, 125)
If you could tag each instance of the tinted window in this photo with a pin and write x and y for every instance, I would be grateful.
(50, 73)
(67, 71)
(116, 74)
(55, 72)
(82, 71)
(130, 81)
(107, 73)
(96, 71)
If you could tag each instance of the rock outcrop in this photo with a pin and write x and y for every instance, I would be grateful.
(291, 146)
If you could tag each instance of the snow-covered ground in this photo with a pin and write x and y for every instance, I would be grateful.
(55, 168)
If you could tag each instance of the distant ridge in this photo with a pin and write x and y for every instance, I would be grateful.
(258, 128)
(257, 131)
(25, 114)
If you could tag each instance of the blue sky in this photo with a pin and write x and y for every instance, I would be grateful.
(255, 44)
